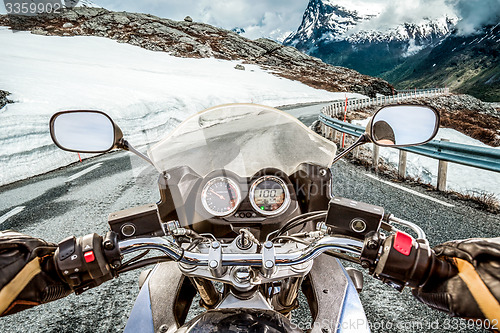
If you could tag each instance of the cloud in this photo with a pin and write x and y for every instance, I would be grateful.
(397, 12)
(471, 14)
(475, 14)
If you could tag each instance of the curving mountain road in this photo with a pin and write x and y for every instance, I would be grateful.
(76, 200)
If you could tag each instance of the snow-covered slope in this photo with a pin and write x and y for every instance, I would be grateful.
(146, 92)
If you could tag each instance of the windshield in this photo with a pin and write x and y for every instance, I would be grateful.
(242, 138)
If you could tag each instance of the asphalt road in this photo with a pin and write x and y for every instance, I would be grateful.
(59, 204)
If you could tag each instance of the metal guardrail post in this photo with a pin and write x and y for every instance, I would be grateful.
(375, 156)
(442, 173)
(402, 164)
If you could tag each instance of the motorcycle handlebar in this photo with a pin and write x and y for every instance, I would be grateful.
(242, 259)
(398, 260)
(413, 266)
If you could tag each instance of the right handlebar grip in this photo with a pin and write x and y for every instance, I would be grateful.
(440, 270)
(405, 261)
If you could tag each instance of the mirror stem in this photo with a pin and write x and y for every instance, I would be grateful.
(364, 138)
(123, 144)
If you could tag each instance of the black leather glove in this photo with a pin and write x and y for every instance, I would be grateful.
(475, 291)
(27, 273)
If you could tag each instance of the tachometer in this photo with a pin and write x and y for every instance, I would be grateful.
(269, 195)
(220, 196)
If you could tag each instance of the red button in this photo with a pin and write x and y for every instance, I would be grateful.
(89, 256)
(403, 243)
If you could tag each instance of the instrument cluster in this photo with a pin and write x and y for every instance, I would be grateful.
(268, 195)
(223, 202)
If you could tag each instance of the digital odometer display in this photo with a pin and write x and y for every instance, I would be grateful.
(269, 195)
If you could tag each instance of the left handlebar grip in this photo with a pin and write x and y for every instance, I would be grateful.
(86, 262)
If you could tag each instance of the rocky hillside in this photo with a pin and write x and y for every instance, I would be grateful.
(197, 40)
(3, 98)
(466, 64)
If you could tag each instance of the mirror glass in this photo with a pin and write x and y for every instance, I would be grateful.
(83, 131)
(404, 125)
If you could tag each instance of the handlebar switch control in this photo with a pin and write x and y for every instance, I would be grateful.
(66, 248)
(404, 261)
(403, 243)
(82, 262)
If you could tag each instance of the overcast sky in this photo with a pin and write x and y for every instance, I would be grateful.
(277, 18)
(259, 18)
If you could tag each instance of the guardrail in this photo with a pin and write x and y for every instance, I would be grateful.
(444, 151)
(338, 108)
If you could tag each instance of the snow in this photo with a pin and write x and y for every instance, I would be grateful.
(358, 22)
(147, 93)
(412, 48)
(460, 178)
(362, 7)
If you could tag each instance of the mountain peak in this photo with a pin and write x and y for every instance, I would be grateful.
(323, 19)
(329, 20)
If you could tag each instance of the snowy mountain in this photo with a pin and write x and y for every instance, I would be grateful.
(324, 21)
(466, 64)
(80, 3)
(338, 35)
(238, 30)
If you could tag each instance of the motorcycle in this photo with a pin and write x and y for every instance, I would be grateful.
(247, 219)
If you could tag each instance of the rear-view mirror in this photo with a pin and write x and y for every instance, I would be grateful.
(84, 131)
(403, 125)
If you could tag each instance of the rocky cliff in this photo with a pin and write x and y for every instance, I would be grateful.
(466, 64)
(3, 98)
(197, 40)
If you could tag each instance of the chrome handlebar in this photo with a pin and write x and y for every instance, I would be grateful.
(177, 253)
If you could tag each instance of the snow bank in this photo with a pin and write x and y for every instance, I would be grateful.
(147, 93)
(460, 178)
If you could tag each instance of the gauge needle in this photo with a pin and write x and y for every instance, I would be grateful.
(217, 194)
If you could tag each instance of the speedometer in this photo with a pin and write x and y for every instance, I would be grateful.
(220, 196)
(269, 195)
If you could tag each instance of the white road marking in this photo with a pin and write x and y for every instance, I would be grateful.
(410, 191)
(326, 151)
(83, 172)
(13, 212)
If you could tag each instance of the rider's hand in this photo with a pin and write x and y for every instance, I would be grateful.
(27, 274)
(475, 291)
